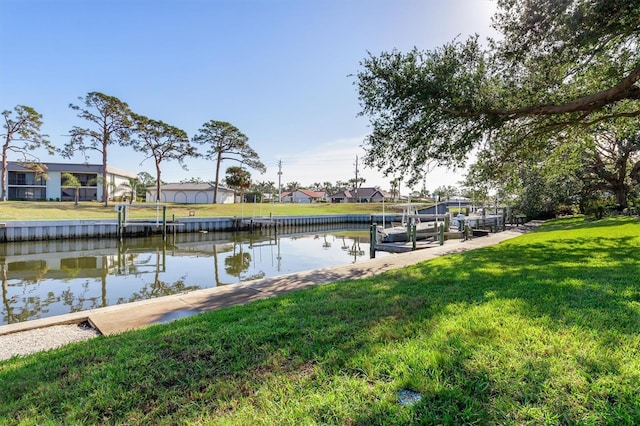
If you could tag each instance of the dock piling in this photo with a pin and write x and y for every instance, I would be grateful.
(373, 237)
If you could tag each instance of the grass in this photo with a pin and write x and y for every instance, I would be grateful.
(55, 210)
(541, 329)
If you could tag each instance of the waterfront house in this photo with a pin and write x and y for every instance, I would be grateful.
(360, 195)
(26, 184)
(191, 193)
(303, 196)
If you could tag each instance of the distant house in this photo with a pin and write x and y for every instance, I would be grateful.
(24, 183)
(303, 196)
(360, 195)
(190, 193)
(451, 204)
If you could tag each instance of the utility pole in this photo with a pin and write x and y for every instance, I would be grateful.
(356, 184)
(279, 181)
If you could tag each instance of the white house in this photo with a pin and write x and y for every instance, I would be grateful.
(190, 193)
(24, 183)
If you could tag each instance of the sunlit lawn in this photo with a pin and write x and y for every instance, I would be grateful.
(542, 329)
(55, 210)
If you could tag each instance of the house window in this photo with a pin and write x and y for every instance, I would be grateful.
(87, 179)
(25, 178)
(26, 193)
(68, 193)
(87, 190)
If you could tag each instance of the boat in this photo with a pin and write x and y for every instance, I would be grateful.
(399, 230)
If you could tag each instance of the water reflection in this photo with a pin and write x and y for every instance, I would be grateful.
(41, 279)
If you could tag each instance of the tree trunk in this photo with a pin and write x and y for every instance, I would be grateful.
(621, 196)
(3, 179)
(105, 184)
(215, 190)
(158, 182)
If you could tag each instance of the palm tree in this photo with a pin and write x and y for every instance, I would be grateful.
(131, 188)
(395, 188)
(239, 179)
(292, 186)
(69, 179)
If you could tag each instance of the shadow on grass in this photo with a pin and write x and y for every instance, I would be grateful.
(482, 335)
(582, 222)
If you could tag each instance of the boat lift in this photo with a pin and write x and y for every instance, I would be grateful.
(160, 223)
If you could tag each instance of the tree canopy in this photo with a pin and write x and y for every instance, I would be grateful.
(110, 120)
(238, 179)
(160, 141)
(22, 135)
(557, 65)
(227, 142)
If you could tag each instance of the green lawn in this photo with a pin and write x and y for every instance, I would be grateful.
(55, 210)
(541, 329)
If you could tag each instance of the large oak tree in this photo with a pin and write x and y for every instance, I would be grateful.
(557, 64)
(226, 142)
(612, 160)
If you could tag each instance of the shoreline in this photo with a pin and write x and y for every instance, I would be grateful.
(119, 318)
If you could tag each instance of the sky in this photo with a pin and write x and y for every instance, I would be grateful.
(281, 71)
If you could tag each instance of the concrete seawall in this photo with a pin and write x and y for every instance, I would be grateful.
(15, 230)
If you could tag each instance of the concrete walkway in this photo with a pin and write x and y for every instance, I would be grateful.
(119, 318)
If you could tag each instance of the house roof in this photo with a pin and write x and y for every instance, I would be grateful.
(189, 186)
(362, 193)
(72, 168)
(312, 194)
(307, 192)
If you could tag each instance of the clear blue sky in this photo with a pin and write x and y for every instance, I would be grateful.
(276, 69)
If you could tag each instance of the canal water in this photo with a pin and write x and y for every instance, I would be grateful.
(47, 278)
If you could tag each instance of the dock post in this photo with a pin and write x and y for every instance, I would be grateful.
(414, 233)
(372, 238)
(119, 227)
(408, 231)
(123, 233)
(164, 223)
(173, 220)
(441, 234)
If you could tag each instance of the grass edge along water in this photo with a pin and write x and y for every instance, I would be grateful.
(540, 329)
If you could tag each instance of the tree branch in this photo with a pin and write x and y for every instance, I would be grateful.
(621, 91)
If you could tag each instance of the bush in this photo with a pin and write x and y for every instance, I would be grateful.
(567, 210)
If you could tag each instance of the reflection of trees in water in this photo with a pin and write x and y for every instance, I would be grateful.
(159, 288)
(31, 304)
(80, 301)
(25, 283)
(34, 303)
(74, 265)
(239, 262)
